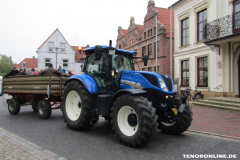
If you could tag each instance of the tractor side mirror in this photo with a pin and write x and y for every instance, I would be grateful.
(98, 52)
(145, 59)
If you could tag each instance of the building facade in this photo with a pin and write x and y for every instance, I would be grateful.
(56, 50)
(142, 38)
(207, 46)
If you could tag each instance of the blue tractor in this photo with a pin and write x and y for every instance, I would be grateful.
(136, 103)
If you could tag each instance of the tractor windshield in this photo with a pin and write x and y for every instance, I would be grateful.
(122, 63)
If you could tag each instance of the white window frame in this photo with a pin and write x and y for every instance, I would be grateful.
(65, 63)
(62, 50)
(25, 65)
(46, 66)
(49, 47)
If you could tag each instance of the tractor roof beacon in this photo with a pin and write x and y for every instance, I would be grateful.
(136, 103)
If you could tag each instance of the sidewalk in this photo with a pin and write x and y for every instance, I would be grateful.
(13, 147)
(217, 121)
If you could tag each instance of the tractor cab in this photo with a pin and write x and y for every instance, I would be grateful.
(99, 64)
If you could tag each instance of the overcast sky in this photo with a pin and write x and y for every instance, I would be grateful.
(26, 24)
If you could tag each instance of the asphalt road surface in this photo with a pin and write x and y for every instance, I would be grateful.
(100, 142)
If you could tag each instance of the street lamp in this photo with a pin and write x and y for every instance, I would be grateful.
(56, 55)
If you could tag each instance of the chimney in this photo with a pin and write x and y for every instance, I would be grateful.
(33, 57)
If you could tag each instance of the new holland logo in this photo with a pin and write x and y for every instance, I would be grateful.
(138, 85)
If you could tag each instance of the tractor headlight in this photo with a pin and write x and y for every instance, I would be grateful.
(163, 85)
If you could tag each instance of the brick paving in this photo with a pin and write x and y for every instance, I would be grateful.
(13, 147)
(214, 120)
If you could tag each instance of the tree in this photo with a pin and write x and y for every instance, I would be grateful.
(6, 64)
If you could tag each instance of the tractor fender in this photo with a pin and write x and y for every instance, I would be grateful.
(123, 92)
(88, 82)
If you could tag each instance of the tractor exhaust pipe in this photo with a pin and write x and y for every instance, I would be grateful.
(109, 85)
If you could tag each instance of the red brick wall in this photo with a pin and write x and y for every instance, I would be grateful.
(134, 40)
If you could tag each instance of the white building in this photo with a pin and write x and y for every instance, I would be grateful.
(56, 50)
(207, 46)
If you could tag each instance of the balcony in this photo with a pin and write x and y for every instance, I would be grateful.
(222, 30)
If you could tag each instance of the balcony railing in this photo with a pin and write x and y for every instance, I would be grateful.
(225, 26)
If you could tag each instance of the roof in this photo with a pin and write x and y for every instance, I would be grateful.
(31, 63)
(175, 3)
(119, 51)
(48, 38)
(124, 31)
(140, 28)
(164, 18)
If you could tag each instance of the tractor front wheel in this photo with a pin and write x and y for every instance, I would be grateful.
(134, 120)
(179, 126)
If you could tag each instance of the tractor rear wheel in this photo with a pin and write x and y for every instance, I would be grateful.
(14, 106)
(134, 120)
(76, 106)
(179, 126)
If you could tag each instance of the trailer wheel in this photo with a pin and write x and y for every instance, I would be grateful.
(134, 120)
(35, 104)
(76, 106)
(44, 109)
(14, 106)
(180, 126)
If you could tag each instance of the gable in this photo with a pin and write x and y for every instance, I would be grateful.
(30, 63)
(56, 39)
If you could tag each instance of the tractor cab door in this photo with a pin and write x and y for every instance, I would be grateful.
(120, 63)
(97, 69)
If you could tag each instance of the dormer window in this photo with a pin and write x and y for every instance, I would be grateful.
(24, 65)
(50, 46)
(62, 47)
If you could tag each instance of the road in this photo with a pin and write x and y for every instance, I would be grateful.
(100, 142)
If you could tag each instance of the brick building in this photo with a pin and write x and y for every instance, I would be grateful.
(142, 38)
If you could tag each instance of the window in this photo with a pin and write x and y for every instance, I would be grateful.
(144, 35)
(150, 51)
(185, 73)
(24, 65)
(157, 48)
(202, 20)
(236, 16)
(202, 72)
(154, 31)
(47, 61)
(157, 69)
(143, 69)
(150, 69)
(120, 46)
(185, 32)
(149, 32)
(65, 64)
(62, 47)
(143, 50)
(50, 46)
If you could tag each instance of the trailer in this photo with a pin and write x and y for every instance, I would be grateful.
(43, 92)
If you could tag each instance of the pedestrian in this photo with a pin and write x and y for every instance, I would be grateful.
(70, 73)
(24, 72)
(13, 72)
(31, 72)
(63, 70)
(36, 71)
(60, 68)
(20, 71)
(50, 70)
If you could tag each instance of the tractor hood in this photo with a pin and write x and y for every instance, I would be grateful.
(147, 80)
